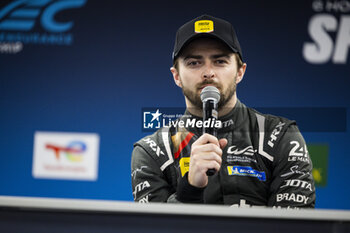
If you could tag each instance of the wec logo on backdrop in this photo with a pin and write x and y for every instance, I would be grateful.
(35, 22)
(322, 26)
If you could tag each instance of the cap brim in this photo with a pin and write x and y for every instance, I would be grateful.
(203, 35)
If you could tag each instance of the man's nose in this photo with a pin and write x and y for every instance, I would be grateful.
(208, 72)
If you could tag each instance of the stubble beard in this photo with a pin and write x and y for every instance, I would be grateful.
(193, 96)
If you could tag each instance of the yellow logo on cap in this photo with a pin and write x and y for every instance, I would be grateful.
(204, 26)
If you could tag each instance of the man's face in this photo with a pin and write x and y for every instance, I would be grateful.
(207, 62)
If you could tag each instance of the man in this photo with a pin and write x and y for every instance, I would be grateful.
(260, 160)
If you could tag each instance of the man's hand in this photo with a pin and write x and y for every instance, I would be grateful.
(206, 154)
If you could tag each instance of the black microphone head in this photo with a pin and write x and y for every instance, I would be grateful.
(210, 92)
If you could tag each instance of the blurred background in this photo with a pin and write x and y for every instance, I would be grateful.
(89, 67)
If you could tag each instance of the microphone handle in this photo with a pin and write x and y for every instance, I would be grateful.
(210, 112)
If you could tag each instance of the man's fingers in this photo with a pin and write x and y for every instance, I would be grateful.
(209, 164)
(210, 147)
(207, 156)
(205, 139)
(213, 165)
(223, 143)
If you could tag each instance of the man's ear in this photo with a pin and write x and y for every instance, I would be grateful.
(176, 76)
(241, 72)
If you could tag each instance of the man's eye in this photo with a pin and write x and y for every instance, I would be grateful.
(192, 63)
(220, 62)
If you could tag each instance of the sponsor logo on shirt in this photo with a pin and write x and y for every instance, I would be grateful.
(275, 133)
(286, 207)
(246, 151)
(241, 159)
(227, 123)
(184, 165)
(297, 183)
(134, 172)
(295, 170)
(154, 146)
(292, 197)
(241, 155)
(242, 204)
(141, 186)
(144, 199)
(246, 171)
(298, 152)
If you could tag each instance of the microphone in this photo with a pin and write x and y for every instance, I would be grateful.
(210, 97)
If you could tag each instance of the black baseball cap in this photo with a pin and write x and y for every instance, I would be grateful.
(206, 26)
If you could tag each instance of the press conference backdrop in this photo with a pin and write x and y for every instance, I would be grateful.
(75, 76)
